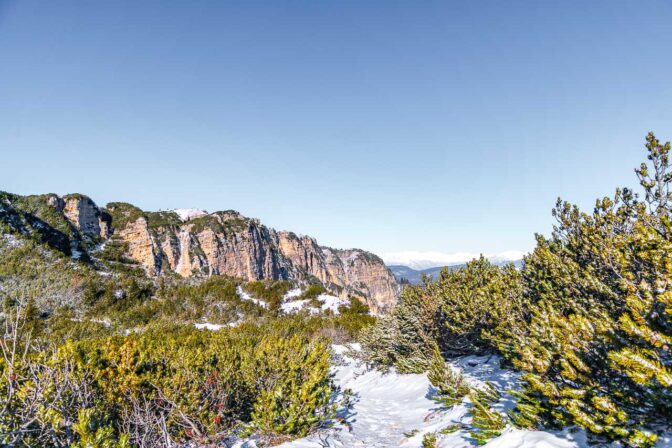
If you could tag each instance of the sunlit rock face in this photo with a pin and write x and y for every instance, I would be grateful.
(83, 213)
(195, 243)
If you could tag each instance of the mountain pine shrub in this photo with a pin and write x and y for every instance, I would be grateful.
(294, 386)
(588, 319)
(169, 385)
(596, 351)
(451, 385)
(404, 338)
(471, 310)
(479, 305)
(92, 435)
(488, 423)
(429, 440)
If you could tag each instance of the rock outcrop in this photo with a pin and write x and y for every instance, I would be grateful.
(141, 246)
(84, 214)
(198, 244)
(348, 272)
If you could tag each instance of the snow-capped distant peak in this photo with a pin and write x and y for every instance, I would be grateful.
(186, 214)
(424, 260)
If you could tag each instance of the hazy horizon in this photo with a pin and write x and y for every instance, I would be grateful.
(433, 129)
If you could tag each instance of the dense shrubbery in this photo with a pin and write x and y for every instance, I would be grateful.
(167, 384)
(113, 360)
(123, 213)
(451, 386)
(269, 291)
(588, 319)
(29, 270)
(311, 294)
(597, 347)
(469, 310)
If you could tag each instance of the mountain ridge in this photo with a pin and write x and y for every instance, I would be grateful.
(405, 273)
(218, 243)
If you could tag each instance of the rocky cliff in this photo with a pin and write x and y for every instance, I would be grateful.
(202, 244)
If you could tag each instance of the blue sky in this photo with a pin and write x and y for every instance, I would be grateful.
(391, 126)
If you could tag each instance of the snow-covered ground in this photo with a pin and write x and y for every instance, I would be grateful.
(245, 296)
(290, 304)
(330, 302)
(295, 306)
(11, 239)
(292, 294)
(210, 326)
(392, 410)
(205, 325)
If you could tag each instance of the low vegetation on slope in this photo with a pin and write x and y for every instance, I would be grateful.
(126, 367)
(164, 385)
(112, 358)
(588, 319)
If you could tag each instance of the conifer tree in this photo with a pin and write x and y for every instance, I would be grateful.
(470, 310)
(403, 339)
(451, 386)
(93, 435)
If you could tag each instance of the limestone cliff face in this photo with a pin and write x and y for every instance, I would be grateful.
(84, 214)
(227, 243)
(368, 274)
(222, 243)
(306, 255)
(347, 272)
(141, 245)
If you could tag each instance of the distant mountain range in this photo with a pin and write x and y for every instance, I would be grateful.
(414, 276)
(420, 260)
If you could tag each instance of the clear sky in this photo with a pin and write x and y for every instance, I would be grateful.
(393, 126)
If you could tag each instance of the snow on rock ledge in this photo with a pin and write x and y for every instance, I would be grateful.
(186, 214)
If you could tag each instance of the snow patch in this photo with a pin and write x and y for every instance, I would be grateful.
(294, 306)
(330, 302)
(209, 326)
(292, 293)
(104, 322)
(12, 240)
(215, 327)
(517, 438)
(245, 296)
(187, 214)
